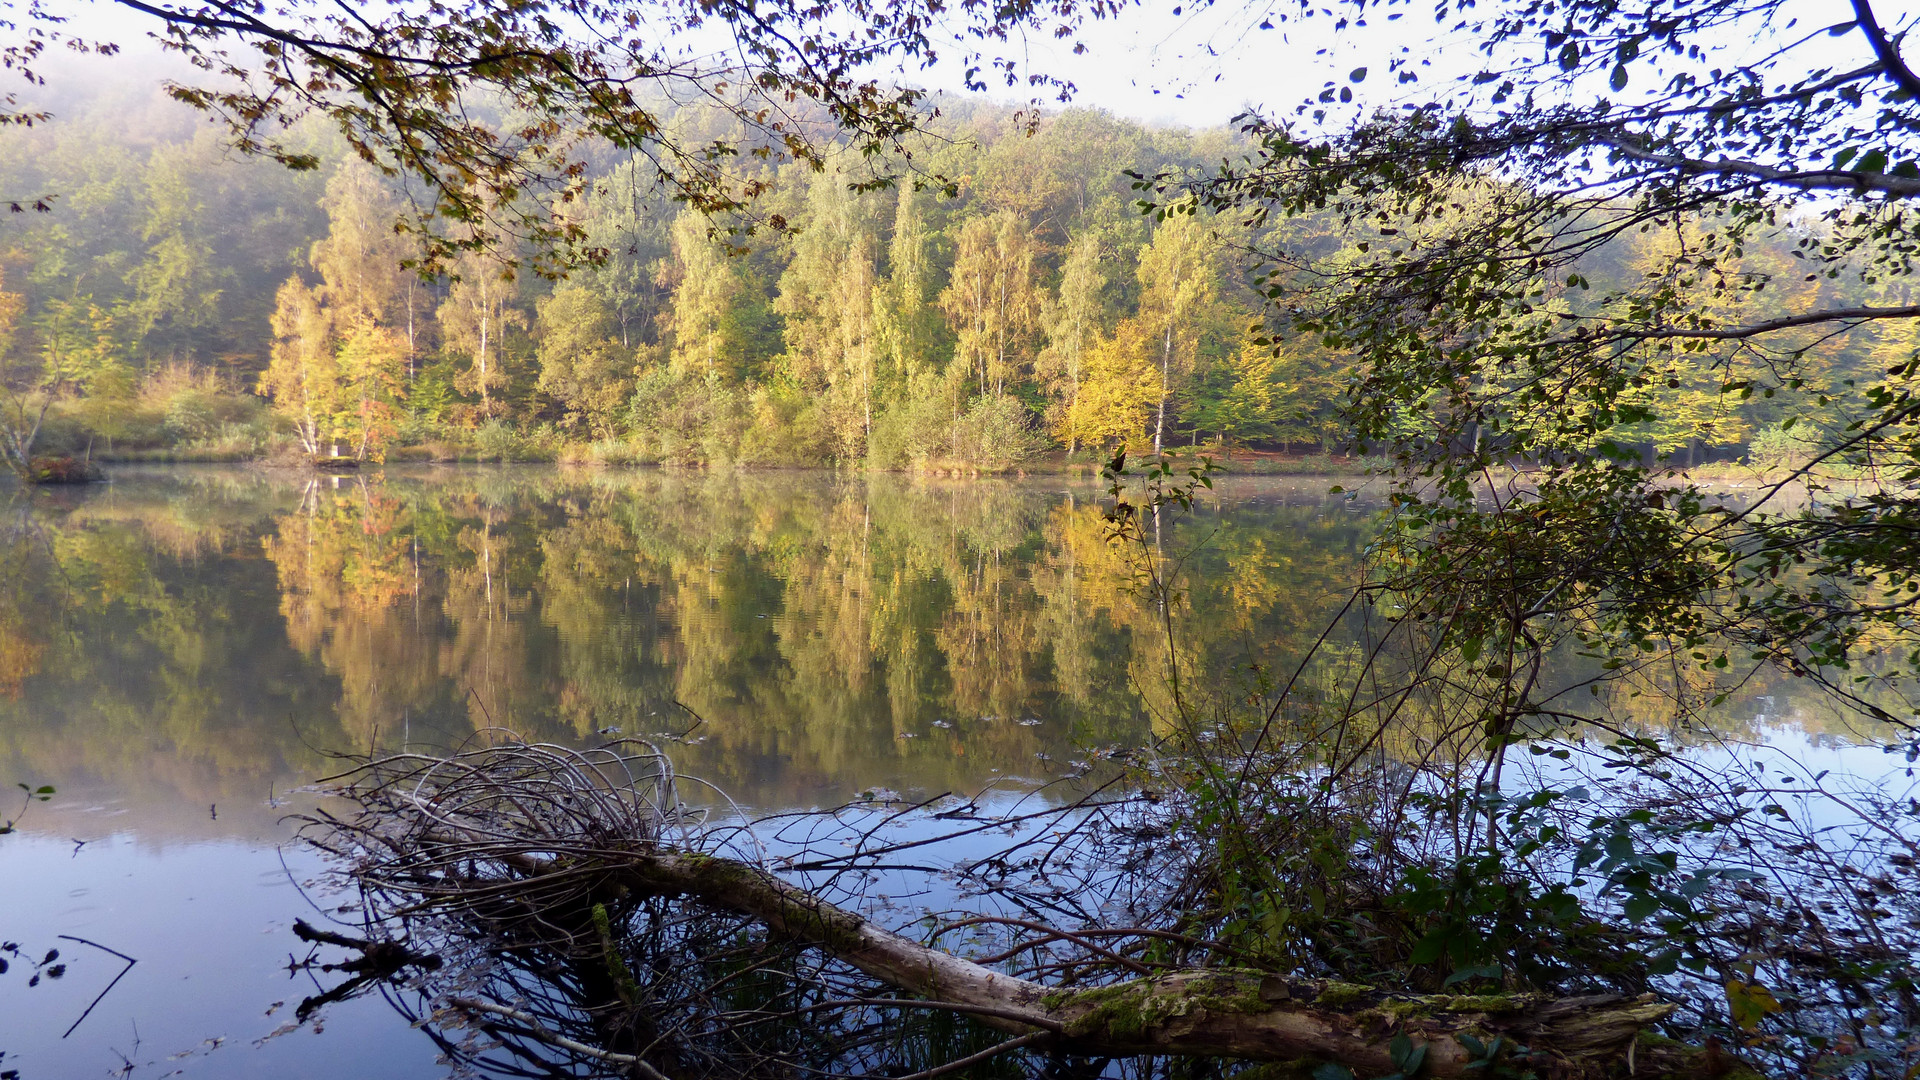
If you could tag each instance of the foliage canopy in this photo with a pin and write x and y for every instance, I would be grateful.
(1478, 217)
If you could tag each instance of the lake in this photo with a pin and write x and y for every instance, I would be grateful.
(181, 650)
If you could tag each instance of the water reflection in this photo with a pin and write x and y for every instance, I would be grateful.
(180, 649)
(204, 636)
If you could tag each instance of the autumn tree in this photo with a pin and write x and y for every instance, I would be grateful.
(25, 409)
(365, 262)
(583, 364)
(370, 362)
(1120, 389)
(474, 321)
(302, 376)
(992, 300)
(1179, 280)
(1072, 317)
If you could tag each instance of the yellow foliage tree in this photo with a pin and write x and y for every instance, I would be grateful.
(302, 375)
(1119, 387)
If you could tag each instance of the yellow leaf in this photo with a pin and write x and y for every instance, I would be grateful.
(1749, 1003)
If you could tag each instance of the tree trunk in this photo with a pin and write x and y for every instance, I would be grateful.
(1227, 1013)
(1166, 363)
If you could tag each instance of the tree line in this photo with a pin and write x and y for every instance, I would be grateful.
(179, 303)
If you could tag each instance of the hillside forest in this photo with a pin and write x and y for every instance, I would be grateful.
(175, 302)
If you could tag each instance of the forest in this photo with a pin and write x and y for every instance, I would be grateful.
(174, 302)
(1474, 807)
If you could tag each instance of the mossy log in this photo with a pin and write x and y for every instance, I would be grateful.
(544, 821)
(1224, 1013)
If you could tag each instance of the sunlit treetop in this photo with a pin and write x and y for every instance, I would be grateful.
(490, 107)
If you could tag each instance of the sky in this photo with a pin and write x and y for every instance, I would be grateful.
(1198, 68)
(1205, 65)
(1198, 64)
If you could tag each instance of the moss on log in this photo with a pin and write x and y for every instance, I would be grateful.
(1225, 1013)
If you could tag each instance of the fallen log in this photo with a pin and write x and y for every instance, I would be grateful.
(1215, 1012)
(505, 820)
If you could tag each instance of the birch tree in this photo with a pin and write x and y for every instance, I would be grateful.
(302, 377)
(474, 320)
(1178, 277)
(992, 302)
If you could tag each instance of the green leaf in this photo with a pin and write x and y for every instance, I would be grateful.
(1618, 80)
(1429, 948)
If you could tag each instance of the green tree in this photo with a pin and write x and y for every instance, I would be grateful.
(1500, 323)
(482, 105)
(1179, 281)
(180, 283)
(1073, 319)
(992, 300)
(583, 365)
(826, 304)
(474, 321)
(721, 320)
(907, 324)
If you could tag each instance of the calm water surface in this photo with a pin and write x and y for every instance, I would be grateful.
(181, 650)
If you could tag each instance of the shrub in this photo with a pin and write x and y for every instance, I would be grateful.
(1782, 447)
(996, 433)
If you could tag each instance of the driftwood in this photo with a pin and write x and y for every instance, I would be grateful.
(503, 820)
